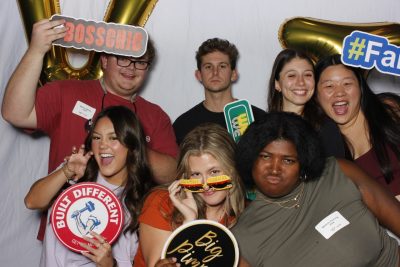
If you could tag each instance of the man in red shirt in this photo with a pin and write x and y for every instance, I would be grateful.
(62, 109)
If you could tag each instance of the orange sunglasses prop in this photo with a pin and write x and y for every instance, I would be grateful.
(216, 183)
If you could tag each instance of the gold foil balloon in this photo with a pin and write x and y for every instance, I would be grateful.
(56, 65)
(320, 38)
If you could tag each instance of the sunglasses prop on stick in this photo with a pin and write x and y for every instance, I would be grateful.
(216, 183)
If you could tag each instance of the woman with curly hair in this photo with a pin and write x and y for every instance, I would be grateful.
(309, 210)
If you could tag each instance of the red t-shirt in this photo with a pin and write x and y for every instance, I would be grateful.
(369, 163)
(56, 100)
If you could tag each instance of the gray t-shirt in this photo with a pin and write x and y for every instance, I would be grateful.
(270, 235)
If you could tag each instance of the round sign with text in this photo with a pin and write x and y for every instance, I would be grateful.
(86, 207)
(202, 243)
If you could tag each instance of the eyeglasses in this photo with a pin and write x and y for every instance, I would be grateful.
(138, 64)
(216, 183)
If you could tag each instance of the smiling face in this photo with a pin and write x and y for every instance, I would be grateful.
(109, 153)
(215, 73)
(122, 81)
(339, 94)
(296, 83)
(276, 171)
(202, 167)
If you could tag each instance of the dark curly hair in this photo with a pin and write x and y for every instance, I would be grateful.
(217, 45)
(129, 134)
(280, 126)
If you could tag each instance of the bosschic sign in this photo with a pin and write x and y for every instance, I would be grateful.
(202, 243)
(105, 37)
(83, 208)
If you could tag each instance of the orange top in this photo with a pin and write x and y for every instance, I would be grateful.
(156, 212)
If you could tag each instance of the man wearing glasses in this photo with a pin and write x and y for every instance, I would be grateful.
(64, 109)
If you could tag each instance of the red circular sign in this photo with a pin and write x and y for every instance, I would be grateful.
(86, 207)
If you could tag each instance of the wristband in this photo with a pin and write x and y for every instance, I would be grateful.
(67, 172)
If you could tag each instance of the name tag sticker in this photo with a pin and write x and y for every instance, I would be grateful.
(331, 224)
(83, 110)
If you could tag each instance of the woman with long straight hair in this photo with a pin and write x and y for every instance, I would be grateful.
(370, 127)
(114, 155)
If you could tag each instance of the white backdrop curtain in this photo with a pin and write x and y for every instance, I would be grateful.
(178, 27)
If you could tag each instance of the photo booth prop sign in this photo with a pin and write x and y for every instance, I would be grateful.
(238, 116)
(86, 207)
(56, 65)
(202, 243)
(105, 37)
(365, 50)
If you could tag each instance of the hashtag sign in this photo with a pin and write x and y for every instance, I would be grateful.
(357, 48)
(367, 51)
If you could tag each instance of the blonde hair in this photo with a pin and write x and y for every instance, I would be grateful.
(212, 139)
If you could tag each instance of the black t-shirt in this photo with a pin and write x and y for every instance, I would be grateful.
(198, 115)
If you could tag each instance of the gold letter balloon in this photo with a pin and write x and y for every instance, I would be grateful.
(320, 38)
(56, 65)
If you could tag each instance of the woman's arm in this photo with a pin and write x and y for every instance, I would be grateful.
(379, 201)
(43, 191)
(152, 241)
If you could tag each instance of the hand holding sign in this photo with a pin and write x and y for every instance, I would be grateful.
(111, 38)
(187, 206)
(83, 209)
(202, 243)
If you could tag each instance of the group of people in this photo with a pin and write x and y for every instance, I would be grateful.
(327, 150)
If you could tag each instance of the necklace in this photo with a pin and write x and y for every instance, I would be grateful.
(290, 203)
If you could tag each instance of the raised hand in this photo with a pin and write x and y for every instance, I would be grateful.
(44, 32)
(183, 201)
(75, 164)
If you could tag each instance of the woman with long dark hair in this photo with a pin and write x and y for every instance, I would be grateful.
(291, 88)
(114, 155)
(370, 127)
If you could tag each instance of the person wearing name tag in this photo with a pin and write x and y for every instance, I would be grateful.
(208, 187)
(291, 88)
(63, 110)
(217, 72)
(114, 155)
(310, 210)
(370, 126)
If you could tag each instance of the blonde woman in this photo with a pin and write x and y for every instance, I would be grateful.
(207, 153)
